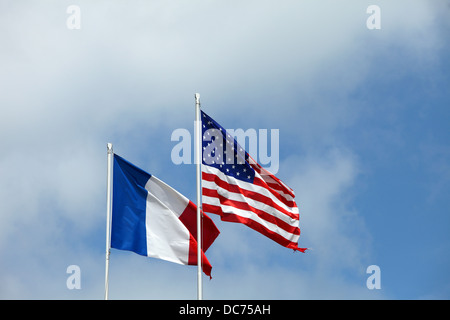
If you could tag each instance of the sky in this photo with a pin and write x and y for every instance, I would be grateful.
(364, 142)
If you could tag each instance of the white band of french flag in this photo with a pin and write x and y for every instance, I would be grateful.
(167, 237)
(152, 219)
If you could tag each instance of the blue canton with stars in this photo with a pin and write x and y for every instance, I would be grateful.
(221, 151)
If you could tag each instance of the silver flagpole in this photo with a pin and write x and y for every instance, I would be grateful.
(198, 161)
(108, 215)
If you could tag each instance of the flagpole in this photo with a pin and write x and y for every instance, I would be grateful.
(198, 161)
(108, 215)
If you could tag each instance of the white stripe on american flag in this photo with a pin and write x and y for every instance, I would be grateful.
(248, 215)
(276, 214)
(280, 210)
(271, 180)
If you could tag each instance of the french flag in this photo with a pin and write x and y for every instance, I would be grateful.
(152, 219)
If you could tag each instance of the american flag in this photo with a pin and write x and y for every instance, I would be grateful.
(238, 189)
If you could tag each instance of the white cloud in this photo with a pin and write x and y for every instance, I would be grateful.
(337, 234)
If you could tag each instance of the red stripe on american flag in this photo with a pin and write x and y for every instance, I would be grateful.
(261, 183)
(262, 212)
(271, 179)
(245, 206)
(252, 194)
(230, 217)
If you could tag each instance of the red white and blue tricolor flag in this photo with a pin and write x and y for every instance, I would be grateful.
(238, 189)
(152, 219)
